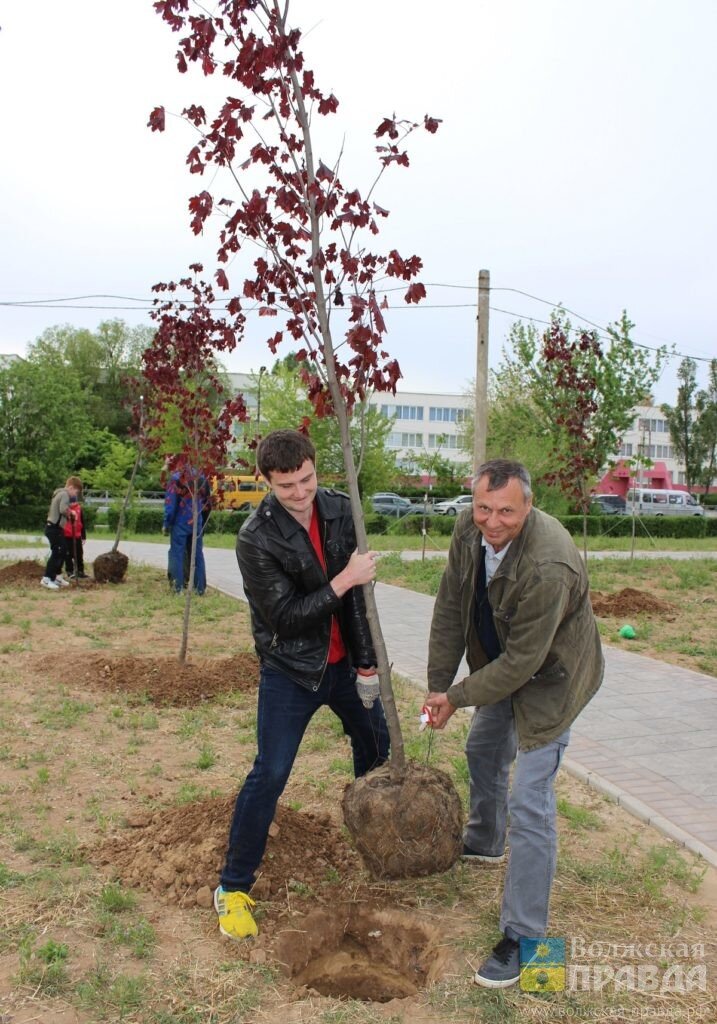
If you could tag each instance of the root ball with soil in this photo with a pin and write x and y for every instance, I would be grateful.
(110, 567)
(405, 824)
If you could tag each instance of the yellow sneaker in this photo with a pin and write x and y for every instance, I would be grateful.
(235, 916)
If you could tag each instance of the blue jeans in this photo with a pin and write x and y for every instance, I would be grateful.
(529, 804)
(285, 710)
(179, 537)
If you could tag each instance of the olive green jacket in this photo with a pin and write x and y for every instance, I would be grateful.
(551, 662)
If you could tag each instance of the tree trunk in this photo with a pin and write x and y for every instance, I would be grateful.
(190, 583)
(398, 757)
(125, 503)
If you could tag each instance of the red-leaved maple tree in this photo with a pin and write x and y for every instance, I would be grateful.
(180, 368)
(305, 234)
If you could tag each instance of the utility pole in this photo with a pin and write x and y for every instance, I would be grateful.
(481, 403)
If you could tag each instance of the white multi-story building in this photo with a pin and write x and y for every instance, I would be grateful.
(649, 438)
(424, 423)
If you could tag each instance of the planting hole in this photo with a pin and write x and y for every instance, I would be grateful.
(361, 952)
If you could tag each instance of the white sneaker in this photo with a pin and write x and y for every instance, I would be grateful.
(61, 581)
(50, 584)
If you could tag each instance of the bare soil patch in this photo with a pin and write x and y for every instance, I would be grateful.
(105, 780)
(162, 680)
(26, 573)
(629, 601)
(178, 853)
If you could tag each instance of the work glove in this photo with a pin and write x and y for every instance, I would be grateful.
(367, 686)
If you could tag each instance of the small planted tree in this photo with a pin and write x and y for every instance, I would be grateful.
(309, 236)
(180, 367)
(111, 566)
(585, 391)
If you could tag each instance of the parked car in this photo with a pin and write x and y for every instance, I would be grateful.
(655, 501)
(608, 504)
(388, 504)
(242, 493)
(454, 506)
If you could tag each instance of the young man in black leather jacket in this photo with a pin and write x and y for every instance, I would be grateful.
(302, 577)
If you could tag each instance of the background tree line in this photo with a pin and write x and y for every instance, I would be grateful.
(559, 401)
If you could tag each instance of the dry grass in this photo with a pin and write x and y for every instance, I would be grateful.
(75, 762)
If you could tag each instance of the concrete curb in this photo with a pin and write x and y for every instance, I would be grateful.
(642, 811)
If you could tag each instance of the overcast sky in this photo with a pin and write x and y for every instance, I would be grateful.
(577, 161)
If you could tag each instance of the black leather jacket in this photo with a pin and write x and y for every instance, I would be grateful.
(288, 591)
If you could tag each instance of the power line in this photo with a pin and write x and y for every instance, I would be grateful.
(145, 305)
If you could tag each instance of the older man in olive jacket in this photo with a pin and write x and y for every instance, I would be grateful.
(515, 599)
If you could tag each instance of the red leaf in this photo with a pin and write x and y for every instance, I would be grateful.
(387, 127)
(156, 120)
(431, 124)
(324, 173)
(222, 280)
(415, 293)
(201, 207)
(329, 105)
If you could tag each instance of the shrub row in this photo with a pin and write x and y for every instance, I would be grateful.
(409, 525)
(657, 526)
(143, 519)
(614, 526)
(34, 517)
(149, 520)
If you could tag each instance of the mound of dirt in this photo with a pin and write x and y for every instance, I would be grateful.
(628, 602)
(178, 853)
(24, 571)
(29, 573)
(162, 679)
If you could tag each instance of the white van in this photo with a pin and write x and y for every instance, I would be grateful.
(650, 501)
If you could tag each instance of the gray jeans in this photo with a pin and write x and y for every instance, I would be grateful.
(529, 802)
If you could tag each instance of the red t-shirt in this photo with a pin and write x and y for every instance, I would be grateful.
(337, 650)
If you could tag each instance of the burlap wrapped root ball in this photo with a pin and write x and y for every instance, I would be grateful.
(408, 826)
(110, 567)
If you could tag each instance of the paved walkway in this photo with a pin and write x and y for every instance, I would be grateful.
(647, 739)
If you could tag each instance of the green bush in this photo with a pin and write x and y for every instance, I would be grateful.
(411, 525)
(148, 519)
(34, 517)
(129, 519)
(709, 500)
(621, 526)
(595, 525)
(661, 526)
(226, 522)
(711, 527)
(24, 517)
(89, 516)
